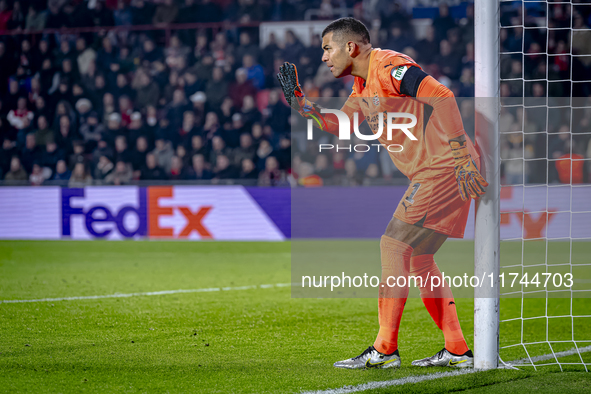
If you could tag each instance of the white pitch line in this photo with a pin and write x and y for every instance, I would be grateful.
(437, 375)
(389, 383)
(148, 293)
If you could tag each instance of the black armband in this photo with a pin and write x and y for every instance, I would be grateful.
(411, 81)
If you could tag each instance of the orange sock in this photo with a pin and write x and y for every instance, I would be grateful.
(440, 303)
(395, 262)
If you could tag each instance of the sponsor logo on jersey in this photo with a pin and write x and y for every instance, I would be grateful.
(376, 99)
(398, 72)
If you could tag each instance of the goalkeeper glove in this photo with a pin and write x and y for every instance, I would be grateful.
(470, 183)
(288, 78)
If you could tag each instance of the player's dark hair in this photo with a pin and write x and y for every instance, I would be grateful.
(347, 27)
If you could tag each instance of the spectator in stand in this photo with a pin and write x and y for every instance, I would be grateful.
(444, 22)
(122, 87)
(352, 177)
(293, 47)
(16, 173)
(148, 91)
(187, 130)
(322, 167)
(250, 113)
(31, 153)
(173, 84)
(255, 72)
(37, 176)
(85, 56)
(241, 88)
(141, 12)
(103, 168)
(192, 84)
(50, 157)
(198, 147)
(226, 112)
(371, 175)
(121, 152)
(122, 15)
(246, 150)
(17, 19)
(35, 19)
(43, 134)
(165, 13)
(176, 53)
(199, 101)
(198, 169)
(449, 61)
(283, 154)
(17, 117)
(100, 67)
(176, 109)
(428, 47)
(218, 147)
(176, 169)
(248, 170)
(264, 150)
(126, 110)
(101, 16)
(271, 175)
(277, 113)
(80, 178)
(136, 128)
(163, 153)
(211, 126)
(122, 175)
(217, 88)
(92, 131)
(62, 174)
(398, 40)
(77, 155)
(223, 168)
(151, 170)
(138, 155)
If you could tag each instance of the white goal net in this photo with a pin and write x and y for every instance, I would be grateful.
(545, 143)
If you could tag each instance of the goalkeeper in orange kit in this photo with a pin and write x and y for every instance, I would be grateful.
(440, 162)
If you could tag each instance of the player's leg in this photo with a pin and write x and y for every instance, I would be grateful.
(396, 246)
(440, 304)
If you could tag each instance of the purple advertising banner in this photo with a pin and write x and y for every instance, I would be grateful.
(343, 212)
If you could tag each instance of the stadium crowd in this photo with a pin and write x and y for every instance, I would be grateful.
(541, 69)
(203, 104)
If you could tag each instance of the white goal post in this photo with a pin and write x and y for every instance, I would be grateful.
(487, 225)
(533, 99)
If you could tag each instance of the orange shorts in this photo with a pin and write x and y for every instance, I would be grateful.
(434, 202)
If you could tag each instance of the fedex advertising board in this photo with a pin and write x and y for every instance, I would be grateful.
(263, 214)
(556, 212)
(128, 212)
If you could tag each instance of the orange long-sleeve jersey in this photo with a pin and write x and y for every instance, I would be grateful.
(381, 93)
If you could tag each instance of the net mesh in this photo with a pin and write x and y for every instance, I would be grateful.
(545, 130)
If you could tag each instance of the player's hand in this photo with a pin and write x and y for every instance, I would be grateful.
(288, 78)
(471, 184)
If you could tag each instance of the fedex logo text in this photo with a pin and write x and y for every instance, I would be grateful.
(194, 219)
(131, 220)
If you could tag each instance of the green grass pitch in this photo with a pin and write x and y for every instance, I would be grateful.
(258, 340)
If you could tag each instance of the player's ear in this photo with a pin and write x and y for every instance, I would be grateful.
(352, 48)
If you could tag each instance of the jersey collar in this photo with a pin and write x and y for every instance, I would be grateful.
(371, 58)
